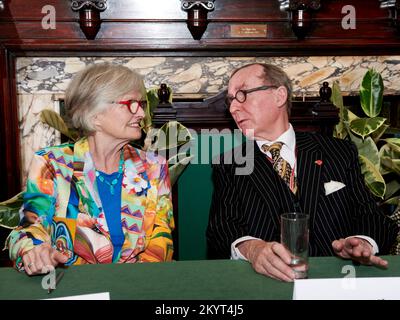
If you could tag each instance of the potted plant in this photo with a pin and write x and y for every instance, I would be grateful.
(379, 156)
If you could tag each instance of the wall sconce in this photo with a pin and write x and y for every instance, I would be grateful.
(197, 16)
(89, 16)
(394, 15)
(1, 5)
(300, 13)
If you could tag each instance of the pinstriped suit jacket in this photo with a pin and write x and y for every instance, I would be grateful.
(251, 204)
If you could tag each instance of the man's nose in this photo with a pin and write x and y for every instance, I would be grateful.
(235, 106)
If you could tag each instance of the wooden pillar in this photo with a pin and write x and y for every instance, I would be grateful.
(10, 163)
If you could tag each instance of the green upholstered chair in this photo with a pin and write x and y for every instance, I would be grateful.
(195, 189)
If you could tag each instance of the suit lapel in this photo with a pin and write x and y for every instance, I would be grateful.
(308, 172)
(270, 186)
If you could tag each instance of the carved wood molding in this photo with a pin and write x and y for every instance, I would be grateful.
(394, 11)
(100, 5)
(89, 16)
(305, 4)
(300, 14)
(131, 26)
(197, 16)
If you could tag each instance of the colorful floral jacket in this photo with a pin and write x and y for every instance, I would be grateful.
(62, 207)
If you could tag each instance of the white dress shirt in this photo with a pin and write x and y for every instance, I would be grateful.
(288, 153)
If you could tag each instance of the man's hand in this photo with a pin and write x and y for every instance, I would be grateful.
(41, 259)
(359, 250)
(268, 258)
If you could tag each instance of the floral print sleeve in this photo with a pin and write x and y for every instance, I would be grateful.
(39, 207)
(159, 239)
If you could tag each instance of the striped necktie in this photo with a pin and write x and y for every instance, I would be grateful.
(280, 165)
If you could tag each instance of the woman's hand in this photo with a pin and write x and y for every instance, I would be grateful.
(42, 259)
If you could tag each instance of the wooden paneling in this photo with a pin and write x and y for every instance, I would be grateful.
(9, 140)
(161, 25)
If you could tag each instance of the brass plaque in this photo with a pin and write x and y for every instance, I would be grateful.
(248, 30)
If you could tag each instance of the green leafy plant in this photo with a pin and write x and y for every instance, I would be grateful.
(9, 211)
(379, 157)
(166, 139)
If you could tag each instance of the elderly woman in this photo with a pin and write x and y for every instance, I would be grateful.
(99, 200)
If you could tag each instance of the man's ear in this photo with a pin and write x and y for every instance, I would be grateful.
(281, 96)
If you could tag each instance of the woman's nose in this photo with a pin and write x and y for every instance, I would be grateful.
(140, 112)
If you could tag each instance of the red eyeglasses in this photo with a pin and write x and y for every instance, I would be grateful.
(133, 105)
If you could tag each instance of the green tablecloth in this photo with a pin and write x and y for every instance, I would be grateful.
(183, 280)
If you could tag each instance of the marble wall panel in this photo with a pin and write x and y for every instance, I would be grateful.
(39, 79)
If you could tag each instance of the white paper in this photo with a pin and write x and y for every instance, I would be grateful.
(92, 296)
(348, 288)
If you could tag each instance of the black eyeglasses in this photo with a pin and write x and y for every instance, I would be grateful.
(241, 95)
(133, 105)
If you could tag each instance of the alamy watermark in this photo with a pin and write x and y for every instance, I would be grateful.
(49, 20)
(349, 20)
(49, 280)
(206, 147)
(349, 280)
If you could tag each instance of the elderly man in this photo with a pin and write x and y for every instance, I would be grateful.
(290, 170)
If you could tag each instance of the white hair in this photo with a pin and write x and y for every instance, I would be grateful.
(93, 89)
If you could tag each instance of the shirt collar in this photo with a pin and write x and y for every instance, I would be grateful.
(288, 138)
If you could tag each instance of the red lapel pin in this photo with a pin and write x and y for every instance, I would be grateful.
(318, 162)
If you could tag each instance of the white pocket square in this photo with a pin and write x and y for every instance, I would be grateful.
(333, 186)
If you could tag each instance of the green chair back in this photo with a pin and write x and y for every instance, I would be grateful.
(195, 190)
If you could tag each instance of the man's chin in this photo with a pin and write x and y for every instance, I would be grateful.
(248, 132)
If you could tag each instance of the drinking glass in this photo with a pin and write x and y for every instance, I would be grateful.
(294, 236)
